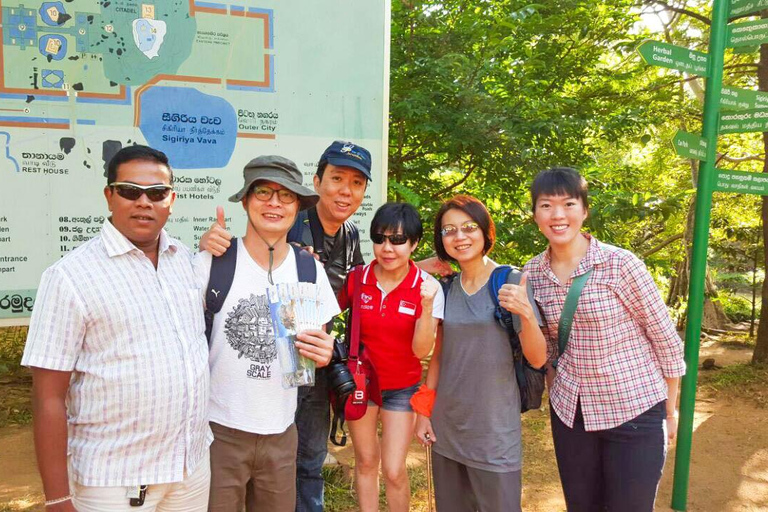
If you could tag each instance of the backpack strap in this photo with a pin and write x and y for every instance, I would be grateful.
(499, 278)
(219, 284)
(296, 233)
(305, 265)
(569, 309)
(351, 242)
(316, 230)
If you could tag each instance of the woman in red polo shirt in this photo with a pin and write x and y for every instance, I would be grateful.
(400, 309)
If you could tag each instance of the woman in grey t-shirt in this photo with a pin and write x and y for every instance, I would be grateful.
(475, 422)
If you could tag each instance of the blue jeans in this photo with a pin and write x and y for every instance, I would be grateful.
(313, 419)
(613, 470)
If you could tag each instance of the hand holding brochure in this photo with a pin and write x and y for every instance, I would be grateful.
(294, 308)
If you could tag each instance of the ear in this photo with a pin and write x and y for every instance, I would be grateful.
(173, 200)
(316, 183)
(108, 192)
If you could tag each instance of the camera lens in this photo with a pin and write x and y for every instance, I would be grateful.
(340, 380)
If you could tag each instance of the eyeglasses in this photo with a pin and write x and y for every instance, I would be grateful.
(284, 195)
(466, 228)
(132, 191)
(398, 239)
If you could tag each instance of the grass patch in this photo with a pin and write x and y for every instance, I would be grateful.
(340, 494)
(15, 397)
(747, 381)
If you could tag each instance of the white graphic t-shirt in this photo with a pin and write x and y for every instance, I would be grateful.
(246, 381)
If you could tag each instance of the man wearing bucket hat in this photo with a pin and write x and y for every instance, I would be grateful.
(252, 415)
(341, 179)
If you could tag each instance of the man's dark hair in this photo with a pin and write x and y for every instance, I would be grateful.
(559, 181)
(476, 211)
(321, 169)
(137, 152)
(398, 216)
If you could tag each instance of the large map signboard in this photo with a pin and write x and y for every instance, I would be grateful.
(211, 84)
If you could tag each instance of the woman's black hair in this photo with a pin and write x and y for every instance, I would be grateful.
(559, 181)
(398, 217)
(476, 211)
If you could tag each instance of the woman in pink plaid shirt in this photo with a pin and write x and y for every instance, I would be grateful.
(613, 396)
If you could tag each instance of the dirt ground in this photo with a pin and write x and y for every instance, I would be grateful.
(729, 469)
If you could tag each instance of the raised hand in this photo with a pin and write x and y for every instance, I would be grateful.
(217, 239)
(428, 291)
(514, 297)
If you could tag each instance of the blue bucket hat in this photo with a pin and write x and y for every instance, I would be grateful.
(348, 154)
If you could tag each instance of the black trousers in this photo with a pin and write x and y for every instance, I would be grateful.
(614, 470)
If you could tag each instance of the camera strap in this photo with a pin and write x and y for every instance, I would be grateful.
(339, 403)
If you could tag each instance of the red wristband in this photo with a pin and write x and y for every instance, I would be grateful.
(423, 400)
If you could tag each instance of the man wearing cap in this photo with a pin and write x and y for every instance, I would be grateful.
(252, 415)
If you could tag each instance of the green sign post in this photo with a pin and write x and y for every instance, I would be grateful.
(674, 57)
(750, 33)
(689, 145)
(746, 111)
(742, 7)
(733, 98)
(743, 182)
(744, 121)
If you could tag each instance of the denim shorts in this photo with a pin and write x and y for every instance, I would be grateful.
(397, 399)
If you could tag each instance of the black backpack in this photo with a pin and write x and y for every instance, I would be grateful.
(223, 273)
(530, 380)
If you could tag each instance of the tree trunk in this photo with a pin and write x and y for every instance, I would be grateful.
(761, 344)
(713, 316)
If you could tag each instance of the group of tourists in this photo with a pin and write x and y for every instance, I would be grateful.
(156, 374)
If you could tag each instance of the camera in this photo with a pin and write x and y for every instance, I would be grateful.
(340, 379)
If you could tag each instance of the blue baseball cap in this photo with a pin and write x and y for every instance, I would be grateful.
(348, 154)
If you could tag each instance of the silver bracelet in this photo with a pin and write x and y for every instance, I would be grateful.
(58, 500)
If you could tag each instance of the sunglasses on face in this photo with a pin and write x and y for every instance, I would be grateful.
(263, 193)
(132, 191)
(398, 239)
(466, 228)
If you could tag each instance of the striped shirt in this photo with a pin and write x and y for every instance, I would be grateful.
(134, 338)
(622, 344)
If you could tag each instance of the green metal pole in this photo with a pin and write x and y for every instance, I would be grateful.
(704, 190)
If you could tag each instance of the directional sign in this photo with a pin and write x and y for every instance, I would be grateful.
(744, 182)
(733, 98)
(755, 120)
(741, 7)
(689, 145)
(750, 33)
(674, 57)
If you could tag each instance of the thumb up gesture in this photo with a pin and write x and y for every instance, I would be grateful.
(514, 297)
(217, 239)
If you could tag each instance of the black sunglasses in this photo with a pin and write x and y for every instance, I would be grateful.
(132, 191)
(398, 239)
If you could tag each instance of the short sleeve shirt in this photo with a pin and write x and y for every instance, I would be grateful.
(622, 344)
(476, 416)
(246, 380)
(133, 337)
(387, 324)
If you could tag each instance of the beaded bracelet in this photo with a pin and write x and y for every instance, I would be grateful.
(58, 500)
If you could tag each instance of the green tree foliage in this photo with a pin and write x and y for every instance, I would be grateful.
(486, 94)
